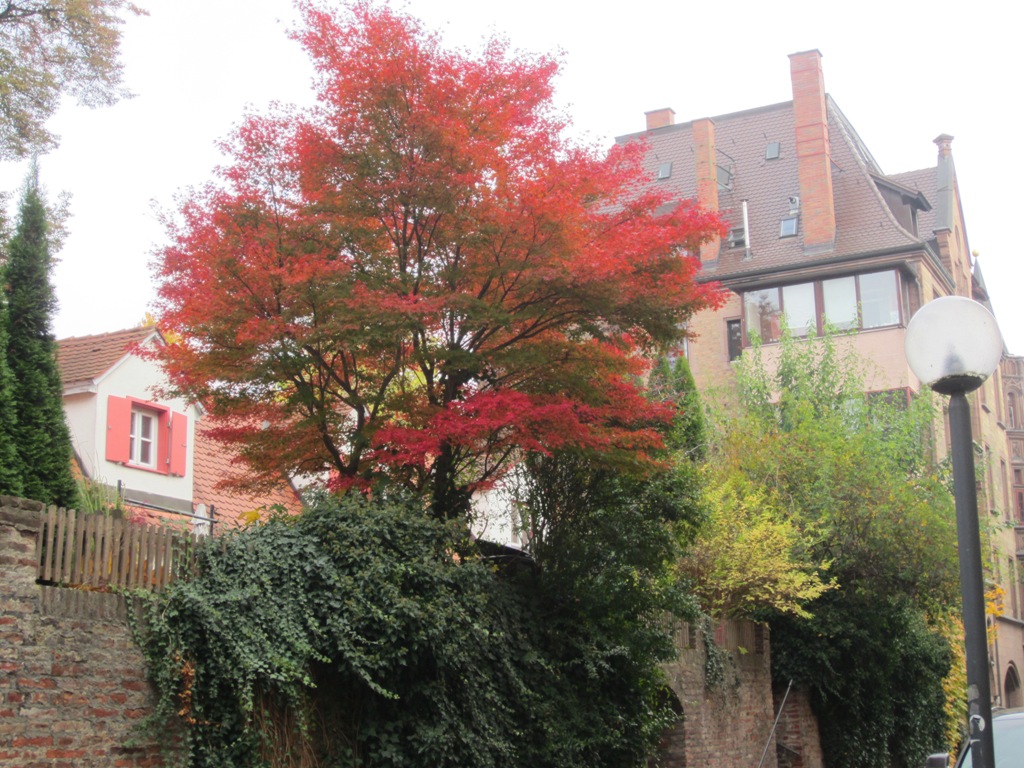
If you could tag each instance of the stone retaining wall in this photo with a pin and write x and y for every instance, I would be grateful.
(72, 685)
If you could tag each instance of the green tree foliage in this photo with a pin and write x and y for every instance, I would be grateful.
(855, 475)
(49, 48)
(422, 279)
(672, 381)
(354, 635)
(40, 432)
(748, 555)
(10, 474)
(742, 555)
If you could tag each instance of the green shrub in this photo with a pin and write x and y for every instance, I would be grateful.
(369, 634)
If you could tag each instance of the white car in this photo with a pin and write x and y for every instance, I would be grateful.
(1008, 735)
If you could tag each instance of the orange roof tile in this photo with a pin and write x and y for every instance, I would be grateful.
(213, 464)
(86, 358)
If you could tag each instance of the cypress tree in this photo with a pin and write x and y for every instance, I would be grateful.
(690, 431)
(41, 433)
(10, 465)
(673, 381)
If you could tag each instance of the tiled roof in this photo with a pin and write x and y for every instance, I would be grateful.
(86, 358)
(924, 181)
(212, 464)
(864, 222)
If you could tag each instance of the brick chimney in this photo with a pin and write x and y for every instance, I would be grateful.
(659, 118)
(814, 152)
(707, 178)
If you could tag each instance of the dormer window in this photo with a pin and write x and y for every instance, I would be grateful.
(737, 237)
(146, 435)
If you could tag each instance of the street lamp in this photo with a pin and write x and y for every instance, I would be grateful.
(953, 344)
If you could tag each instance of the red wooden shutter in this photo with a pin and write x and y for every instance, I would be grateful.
(119, 423)
(179, 443)
(162, 442)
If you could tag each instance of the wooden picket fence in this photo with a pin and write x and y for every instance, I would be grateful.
(101, 551)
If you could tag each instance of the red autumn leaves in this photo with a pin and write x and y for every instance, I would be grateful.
(421, 276)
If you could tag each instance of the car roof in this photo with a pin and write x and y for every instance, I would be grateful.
(1008, 714)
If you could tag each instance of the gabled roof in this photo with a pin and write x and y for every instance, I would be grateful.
(864, 222)
(83, 360)
(86, 358)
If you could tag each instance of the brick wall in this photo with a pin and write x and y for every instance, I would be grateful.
(798, 740)
(728, 724)
(72, 685)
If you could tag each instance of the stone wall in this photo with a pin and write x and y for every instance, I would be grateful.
(799, 743)
(72, 685)
(727, 723)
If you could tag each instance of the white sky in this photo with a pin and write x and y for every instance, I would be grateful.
(902, 71)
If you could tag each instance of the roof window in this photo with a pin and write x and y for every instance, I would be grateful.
(737, 237)
(724, 178)
(665, 170)
(771, 152)
(788, 227)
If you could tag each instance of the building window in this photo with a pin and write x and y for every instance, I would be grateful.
(799, 305)
(788, 227)
(724, 176)
(1011, 570)
(762, 312)
(1011, 410)
(879, 300)
(891, 399)
(772, 151)
(840, 298)
(1018, 477)
(737, 237)
(1004, 488)
(141, 438)
(665, 170)
(146, 435)
(734, 334)
(845, 303)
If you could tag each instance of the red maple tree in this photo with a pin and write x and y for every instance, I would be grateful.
(421, 278)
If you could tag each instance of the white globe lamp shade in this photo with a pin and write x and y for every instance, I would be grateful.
(953, 344)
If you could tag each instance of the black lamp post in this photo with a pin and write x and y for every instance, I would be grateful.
(953, 345)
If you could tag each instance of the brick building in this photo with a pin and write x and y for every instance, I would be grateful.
(819, 233)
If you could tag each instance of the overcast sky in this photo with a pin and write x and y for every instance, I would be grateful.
(902, 72)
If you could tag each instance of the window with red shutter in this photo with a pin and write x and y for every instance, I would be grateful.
(178, 444)
(119, 417)
(146, 435)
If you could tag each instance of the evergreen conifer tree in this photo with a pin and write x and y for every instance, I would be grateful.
(41, 434)
(673, 381)
(10, 469)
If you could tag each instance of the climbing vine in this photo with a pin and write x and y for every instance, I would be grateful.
(364, 633)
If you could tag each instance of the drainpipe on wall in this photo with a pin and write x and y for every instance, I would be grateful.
(995, 653)
(746, 232)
